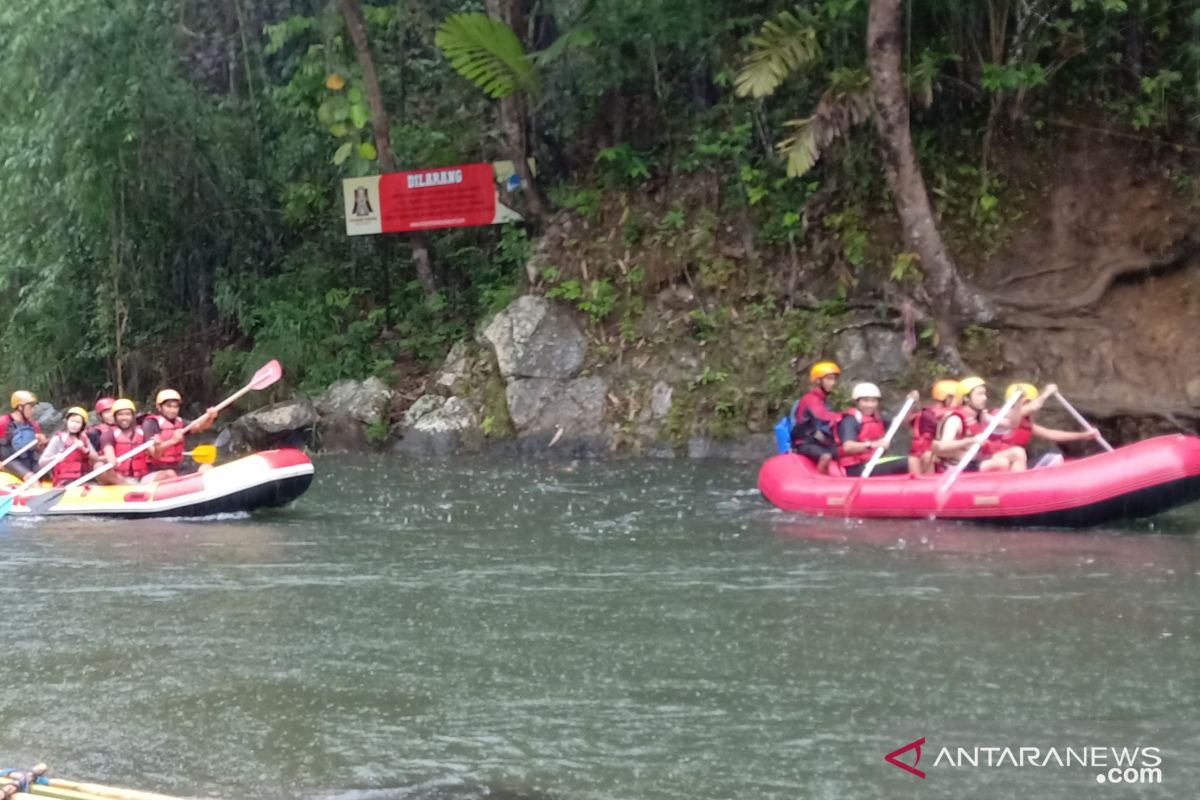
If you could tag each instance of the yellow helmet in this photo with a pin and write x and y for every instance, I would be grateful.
(968, 385)
(78, 411)
(165, 395)
(943, 389)
(1028, 389)
(21, 397)
(822, 368)
(124, 405)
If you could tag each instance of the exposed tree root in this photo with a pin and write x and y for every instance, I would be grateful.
(1180, 255)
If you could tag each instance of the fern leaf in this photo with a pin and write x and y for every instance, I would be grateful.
(487, 53)
(846, 103)
(783, 45)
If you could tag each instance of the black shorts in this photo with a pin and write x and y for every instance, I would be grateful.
(814, 451)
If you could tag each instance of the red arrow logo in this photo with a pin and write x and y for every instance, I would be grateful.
(891, 757)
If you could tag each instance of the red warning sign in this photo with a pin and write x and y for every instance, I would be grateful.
(447, 197)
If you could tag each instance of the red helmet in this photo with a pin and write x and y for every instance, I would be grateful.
(104, 404)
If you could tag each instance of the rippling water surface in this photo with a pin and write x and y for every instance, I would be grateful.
(592, 631)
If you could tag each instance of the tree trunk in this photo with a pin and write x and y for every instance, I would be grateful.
(952, 301)
(381, 127)
(512, 112)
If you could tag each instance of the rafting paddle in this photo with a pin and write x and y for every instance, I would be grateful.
(943, 492)
(1087, 426)
(17, 454)
(879, 451)
(203, 453)
(266, 376)
(94, 789)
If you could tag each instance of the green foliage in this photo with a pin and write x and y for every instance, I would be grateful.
(623, 165)
(783, 45)
(486, 52)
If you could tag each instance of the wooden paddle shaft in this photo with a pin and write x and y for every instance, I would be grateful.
(96, 789)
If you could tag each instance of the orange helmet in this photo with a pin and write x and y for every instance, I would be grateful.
(165, 395)
(822, 368)
(943, 389)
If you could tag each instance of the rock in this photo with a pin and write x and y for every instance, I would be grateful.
(752, 447)
(48, 417)
(533, 338)
(870, 354)
(539, 405)
(366, 401)
(285, 424)
(458, 365)
(439, 426)
(660, 401)
(1193, 392)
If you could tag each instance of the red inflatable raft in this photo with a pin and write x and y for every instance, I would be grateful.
(1134, 481)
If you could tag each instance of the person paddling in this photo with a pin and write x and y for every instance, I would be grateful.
(17, 430)
(925, 426)
(1019, 430)
(813, 435)
(124, 436)
(862, 431)
(961, 429)
(80, 459)
(104, 412)
(166, 427)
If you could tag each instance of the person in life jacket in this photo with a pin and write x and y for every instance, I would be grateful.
(813, 434)
(1019, 429)
(126, 435)
(925, 426)
(80, 459)
(104, 412)
(166, 428)
(962, 428)
(862, 431)
(18, 429)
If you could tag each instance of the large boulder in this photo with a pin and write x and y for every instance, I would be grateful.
(285, 424)
(457, 366)
(49, 417)
(870, 354)
(574, 407)
(439, 426)
(533, 338)
(347, 409)
(363, 401)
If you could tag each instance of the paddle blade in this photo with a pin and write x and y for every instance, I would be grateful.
(41, 503)
(204, 454)
(267, 375)
(5, 505)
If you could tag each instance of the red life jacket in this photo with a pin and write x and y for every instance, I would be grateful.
(870, 428)
(925, 427)
(173, 455)
(74, 464)
(969, 428)
(124, 441)
(1016, 437)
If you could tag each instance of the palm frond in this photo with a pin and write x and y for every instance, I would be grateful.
(783, 45)
(842, 106)
(486, 52)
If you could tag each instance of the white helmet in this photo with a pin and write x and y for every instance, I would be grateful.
(862, 390)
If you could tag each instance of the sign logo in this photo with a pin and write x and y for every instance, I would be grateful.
(892, 759)
(362, 202)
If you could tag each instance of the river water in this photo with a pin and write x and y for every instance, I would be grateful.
(588, 631)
